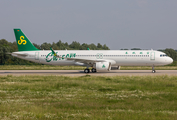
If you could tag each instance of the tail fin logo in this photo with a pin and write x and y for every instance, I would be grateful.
(22, 40)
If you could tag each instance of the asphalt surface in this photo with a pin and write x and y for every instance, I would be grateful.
(81, 72)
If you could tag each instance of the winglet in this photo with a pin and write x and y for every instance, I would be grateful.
(88, 49)
(53, 52)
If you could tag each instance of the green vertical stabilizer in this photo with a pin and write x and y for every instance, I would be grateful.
(22, 41)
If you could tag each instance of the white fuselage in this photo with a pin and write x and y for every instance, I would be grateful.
(115, 57)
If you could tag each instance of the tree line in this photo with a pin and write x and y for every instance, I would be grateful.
(8, 47)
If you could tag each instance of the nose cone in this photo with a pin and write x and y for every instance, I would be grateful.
(170, 60)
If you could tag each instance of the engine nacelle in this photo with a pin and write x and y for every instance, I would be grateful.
(102, 66)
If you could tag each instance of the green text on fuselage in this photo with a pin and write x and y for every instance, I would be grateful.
(51, 57)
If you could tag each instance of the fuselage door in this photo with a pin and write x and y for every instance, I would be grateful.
(152, 57)
(36, 55)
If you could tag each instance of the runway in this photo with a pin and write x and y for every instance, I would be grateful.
(81, 72)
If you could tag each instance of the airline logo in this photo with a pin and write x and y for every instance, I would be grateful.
(103, 66)
(99, 55)
(22, 40)
(53, 57)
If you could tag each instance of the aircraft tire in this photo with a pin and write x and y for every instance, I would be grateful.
(93, 70)
(153, 71)
(86, 71)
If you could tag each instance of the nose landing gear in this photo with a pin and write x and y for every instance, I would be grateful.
(153, 70)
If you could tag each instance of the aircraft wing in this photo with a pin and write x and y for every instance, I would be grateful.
(81, 60)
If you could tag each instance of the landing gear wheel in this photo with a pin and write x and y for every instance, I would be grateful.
(153, 71)
(93, 70)
(86, 70)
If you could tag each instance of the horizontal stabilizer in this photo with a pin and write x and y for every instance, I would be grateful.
(19, 54)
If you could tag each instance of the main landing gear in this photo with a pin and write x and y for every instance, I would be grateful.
(153, 70)
(88, 70)
(93, 70)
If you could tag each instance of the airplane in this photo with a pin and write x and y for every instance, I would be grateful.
(98, 60)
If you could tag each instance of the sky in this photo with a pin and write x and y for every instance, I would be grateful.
(145, 24)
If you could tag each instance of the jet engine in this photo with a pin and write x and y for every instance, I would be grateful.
(102, 66)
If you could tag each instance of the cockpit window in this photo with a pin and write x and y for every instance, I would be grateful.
(163, 55)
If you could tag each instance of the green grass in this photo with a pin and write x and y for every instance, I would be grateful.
(50, 67)
(88, 97)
